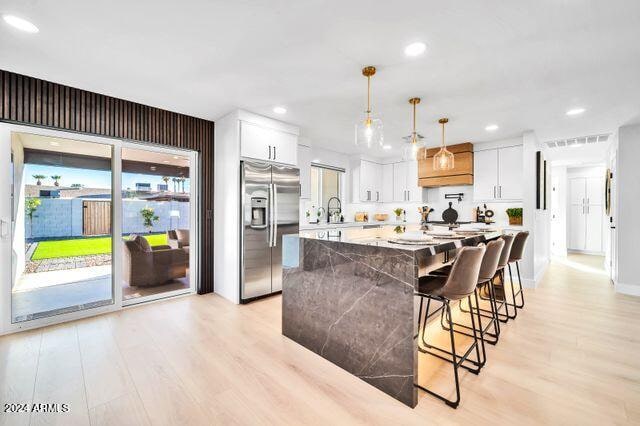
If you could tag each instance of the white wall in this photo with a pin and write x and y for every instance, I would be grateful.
(536, 221)
(559, 211)
(226, 205)
(628, 206)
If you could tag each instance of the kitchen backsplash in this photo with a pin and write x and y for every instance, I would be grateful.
(435, 196)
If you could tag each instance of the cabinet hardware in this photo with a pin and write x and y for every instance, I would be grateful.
(377, 196)
(269, 152)
(499, 191)
(494, 191)
(274, 152)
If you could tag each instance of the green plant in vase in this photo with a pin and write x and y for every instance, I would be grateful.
(515, 215)
(398, 212)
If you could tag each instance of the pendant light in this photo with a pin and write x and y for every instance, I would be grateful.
(443, 160)
(369, 130)
(414, 146)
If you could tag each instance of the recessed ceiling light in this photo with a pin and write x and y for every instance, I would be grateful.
(280, 110)
(415, 49)
(21, 24)
(491, 128)
(166, 161)
(386, 147)
(175, 157)
(576, 111)
(54, 143)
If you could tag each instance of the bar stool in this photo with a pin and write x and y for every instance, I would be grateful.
(502, 263)
(459, 284)
(488, 270)
(517, 252)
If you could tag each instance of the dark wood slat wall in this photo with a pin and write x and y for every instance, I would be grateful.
(31, 101)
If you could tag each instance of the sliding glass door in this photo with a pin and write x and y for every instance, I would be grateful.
(157, 206)
(63, 199)
(61, 226)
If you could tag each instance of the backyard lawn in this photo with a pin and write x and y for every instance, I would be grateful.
(84, 246)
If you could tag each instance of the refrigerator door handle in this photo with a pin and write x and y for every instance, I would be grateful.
(275, 215)
(270, 215)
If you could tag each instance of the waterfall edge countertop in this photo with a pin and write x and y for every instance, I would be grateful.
(388, 236)
(348, 296)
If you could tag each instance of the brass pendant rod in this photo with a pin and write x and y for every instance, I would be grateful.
(368, 95)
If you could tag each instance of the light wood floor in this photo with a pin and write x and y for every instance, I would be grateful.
(571, 357)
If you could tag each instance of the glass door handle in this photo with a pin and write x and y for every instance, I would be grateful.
(4, 229)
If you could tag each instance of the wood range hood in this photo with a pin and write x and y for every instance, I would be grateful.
(461, 174)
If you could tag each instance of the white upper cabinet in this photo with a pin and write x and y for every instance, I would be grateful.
(498, 174)
(485, 174)
(414, 191)
(510, 173)
(263, 143)
(367, 182)
(387, 183)
(399, 182)
(405, 182)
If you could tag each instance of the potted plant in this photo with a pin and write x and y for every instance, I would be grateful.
(39, 178)
(398, 212)
(30, 207)
(515, 215)
(56, 179)
(148, 217)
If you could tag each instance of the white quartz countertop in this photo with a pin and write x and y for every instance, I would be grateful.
(325, 225)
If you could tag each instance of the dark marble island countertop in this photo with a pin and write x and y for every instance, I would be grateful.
(349, 297)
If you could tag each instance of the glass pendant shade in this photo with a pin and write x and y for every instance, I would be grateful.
(369, 133)
(443, 160)
(413, 148)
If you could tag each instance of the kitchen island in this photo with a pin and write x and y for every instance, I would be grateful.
(349, 297)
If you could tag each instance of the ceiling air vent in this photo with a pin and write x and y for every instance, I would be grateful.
(582, 140)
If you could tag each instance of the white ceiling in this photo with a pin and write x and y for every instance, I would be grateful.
(519, 64)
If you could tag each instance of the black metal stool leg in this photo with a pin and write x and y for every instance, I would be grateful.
(521, 292)
(513, 295)
(454, 362)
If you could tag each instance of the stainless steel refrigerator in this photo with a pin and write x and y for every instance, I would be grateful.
(270, 204)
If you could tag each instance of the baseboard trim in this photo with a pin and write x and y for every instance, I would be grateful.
(630, 289)
(533, 283)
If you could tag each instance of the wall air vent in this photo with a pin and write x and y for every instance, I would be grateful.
(582, 140)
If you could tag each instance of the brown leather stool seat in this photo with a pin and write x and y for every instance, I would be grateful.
(459, 284)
